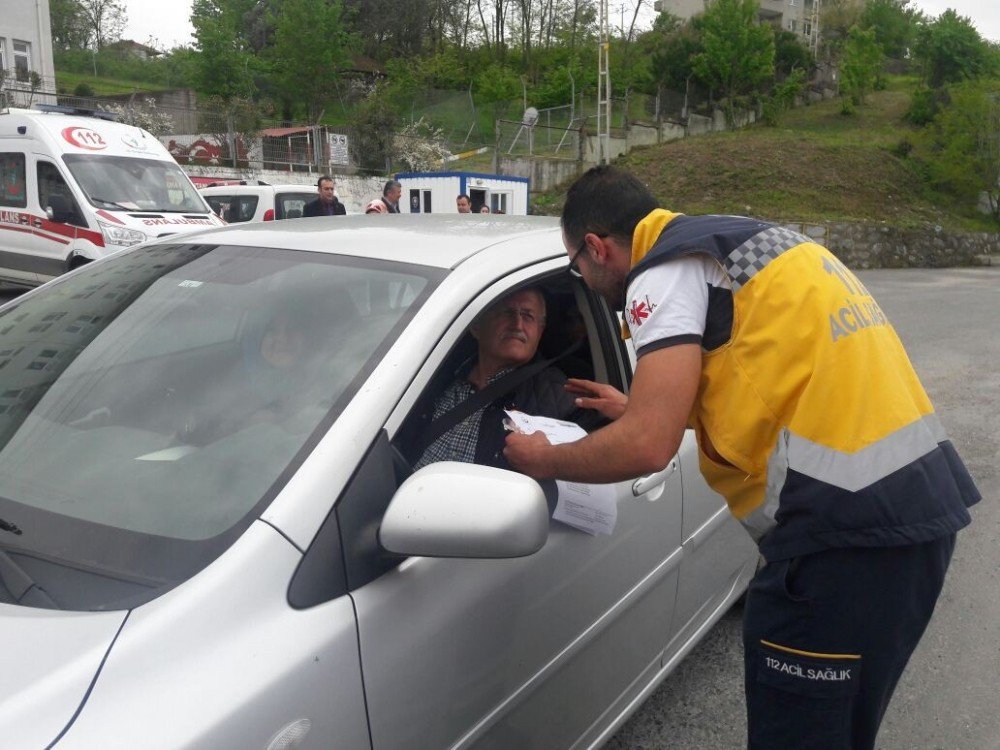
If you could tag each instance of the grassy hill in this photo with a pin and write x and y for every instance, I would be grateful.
(817, 165)
(100, 85)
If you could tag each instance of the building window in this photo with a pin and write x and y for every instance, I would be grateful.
(791, 25)
(22, 60)
(807, 28)
(3, 53)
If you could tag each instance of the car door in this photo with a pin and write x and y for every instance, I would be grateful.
(18, 220)
(54, 244)
(718, 555)
(536, 652)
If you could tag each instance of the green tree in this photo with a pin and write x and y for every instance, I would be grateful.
(226, 63)
(373, 141)
(783, 96)
(961, 146)
(860, 63)
(790, 54)
(738, 55)
(949, 50)
(497, 85)
(104, 20)
(895, 24)
(312, 45)
(69, 27)
(672, 48)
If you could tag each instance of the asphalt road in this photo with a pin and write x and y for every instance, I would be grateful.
(949, 696)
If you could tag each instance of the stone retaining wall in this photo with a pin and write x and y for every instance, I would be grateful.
(864, 245)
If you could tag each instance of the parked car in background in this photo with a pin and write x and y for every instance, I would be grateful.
(211, 534)
(240, 203)
(75, 186)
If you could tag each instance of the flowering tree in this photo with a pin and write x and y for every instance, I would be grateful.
(145, 116)
(419, 146)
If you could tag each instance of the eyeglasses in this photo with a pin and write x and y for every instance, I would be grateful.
(574, 269)
(574, 262)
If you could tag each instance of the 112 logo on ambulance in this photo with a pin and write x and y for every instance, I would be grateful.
(84, 138)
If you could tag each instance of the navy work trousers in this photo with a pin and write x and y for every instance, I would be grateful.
(826, 637)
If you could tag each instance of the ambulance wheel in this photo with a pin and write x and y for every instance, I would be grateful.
(77, 261)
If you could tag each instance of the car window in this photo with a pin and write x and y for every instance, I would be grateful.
(291, 205)
(53, 191)
(13, 185)
(219, 204)
(234, 209)
(574, 317)
(151, 402)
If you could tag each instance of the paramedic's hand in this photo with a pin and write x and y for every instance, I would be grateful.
(527, 454)
(604, 398)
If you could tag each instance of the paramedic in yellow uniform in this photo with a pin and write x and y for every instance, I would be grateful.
(810, 422)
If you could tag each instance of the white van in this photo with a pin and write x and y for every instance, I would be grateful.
(239, 203)
(75, 186)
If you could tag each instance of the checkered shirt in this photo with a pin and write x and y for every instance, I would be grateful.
(459, 443)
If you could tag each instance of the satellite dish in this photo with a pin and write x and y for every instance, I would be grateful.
(530, 117)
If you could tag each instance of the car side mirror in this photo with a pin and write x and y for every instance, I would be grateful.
(59, 209)
(451, 509)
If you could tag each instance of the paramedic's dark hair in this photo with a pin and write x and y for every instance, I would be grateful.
(606, 201)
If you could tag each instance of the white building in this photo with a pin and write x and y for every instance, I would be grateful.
(435, 192)
(801, 17)
(26, 48)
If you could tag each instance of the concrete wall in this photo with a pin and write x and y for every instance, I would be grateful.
(545, 173)
(864, 245)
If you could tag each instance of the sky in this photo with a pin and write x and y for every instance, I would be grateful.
(167, 22)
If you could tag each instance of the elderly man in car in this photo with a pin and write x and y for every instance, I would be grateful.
(507, 335)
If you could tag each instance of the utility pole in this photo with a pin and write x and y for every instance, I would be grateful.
(603, 88)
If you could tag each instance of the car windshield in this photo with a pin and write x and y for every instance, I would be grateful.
(151, 405)
(134, 184)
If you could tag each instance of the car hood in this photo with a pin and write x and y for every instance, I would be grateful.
(50, 659)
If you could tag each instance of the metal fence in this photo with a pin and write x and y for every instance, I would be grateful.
(523, 139)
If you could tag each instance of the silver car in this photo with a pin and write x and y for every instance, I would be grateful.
(211, 539)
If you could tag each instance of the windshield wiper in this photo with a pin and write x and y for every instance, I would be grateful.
(106, 202)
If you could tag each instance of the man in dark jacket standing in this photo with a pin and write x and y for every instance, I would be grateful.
(326, 204)
(507, 335)
(390, 196)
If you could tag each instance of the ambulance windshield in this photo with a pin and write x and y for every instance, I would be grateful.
(133, 184)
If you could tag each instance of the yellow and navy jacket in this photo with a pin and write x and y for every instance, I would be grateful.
(827, 435)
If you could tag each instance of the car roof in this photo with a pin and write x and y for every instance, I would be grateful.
(253, 189)
(442, 240)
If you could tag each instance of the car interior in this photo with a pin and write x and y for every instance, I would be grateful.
(575, 337)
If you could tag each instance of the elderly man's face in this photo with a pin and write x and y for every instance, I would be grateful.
(393, 193)
(283, 343)
(326, 191)
(509, 332)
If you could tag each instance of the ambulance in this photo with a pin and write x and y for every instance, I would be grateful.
(75, 185)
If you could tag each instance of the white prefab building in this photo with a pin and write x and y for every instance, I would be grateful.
(26, 48)
(435, 192)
